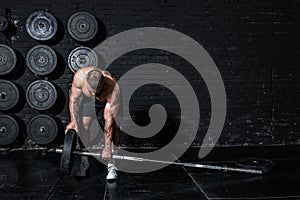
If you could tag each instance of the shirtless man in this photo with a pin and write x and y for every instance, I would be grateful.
(93, 88)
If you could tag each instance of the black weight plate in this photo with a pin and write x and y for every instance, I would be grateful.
(81, 57)
(9, 129)
(67, 153)
(266, 166)
(42, 129)
(3, 23)
(41, 95)
(8, 59)
(82, 26)
(9, 95)
(41, 25)
(41, 60)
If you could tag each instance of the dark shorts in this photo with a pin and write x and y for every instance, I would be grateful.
(89, 108)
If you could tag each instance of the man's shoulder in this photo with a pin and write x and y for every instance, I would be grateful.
(79, 77)
(106, 73)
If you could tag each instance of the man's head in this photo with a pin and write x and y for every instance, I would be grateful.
(95, 80)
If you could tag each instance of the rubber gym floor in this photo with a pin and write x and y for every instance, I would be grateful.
(31, 175)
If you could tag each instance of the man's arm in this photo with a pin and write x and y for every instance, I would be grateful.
(110, 111)
(74, 103)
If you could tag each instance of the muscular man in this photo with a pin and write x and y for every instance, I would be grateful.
(92, 89)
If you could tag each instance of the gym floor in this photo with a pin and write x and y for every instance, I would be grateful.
(31, 175)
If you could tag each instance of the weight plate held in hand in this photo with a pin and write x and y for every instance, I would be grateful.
(67, 153)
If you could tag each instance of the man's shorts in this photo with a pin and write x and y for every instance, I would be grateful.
(90, 108)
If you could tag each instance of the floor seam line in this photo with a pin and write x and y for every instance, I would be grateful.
(194, 181)
(104, 195)
(53, 188)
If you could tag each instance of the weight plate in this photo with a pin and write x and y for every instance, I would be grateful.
(41, 25)
(8, 59)
(41, 60)
(9, 95)
(41, 95)
(42, 129)
(3, 23)
(82, 26)
(9, 129)
(266, 166)
(67, 153)
(81, 57)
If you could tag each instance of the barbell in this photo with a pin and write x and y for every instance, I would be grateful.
(249, 165)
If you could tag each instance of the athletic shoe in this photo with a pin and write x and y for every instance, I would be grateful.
(111, 172)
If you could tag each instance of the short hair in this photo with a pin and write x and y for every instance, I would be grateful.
(94, 78)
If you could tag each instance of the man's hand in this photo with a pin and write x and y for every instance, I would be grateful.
(106, 153)
(71, 125)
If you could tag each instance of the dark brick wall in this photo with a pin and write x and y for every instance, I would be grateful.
(253, 43)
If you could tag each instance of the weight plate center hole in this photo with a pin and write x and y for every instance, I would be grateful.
(82, 61)
(82, 26)
(2, 129)
(41, 25)
(42, 59)
(3, 95)
(41, 95)
(42, 129)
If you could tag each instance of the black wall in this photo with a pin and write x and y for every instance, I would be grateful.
(255, 45)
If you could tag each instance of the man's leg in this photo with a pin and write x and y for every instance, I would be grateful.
(84, 134)
(111, 167)
(84, 137)
(116, 136)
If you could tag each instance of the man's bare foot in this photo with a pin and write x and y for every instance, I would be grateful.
(106, 153)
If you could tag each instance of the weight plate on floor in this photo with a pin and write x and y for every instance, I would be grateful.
(67, 153)
(9, 129)
(41, 25)
(41, 95)
(8, 59)
(42, 129)
(9, 95)
(41, 60)
(81, 57)
(82, 26)
(266, 166)
(3, 23)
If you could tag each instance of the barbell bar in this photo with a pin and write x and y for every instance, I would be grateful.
(250, 166)
(195, 165)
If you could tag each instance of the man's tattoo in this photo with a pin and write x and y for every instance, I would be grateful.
(76, 104)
